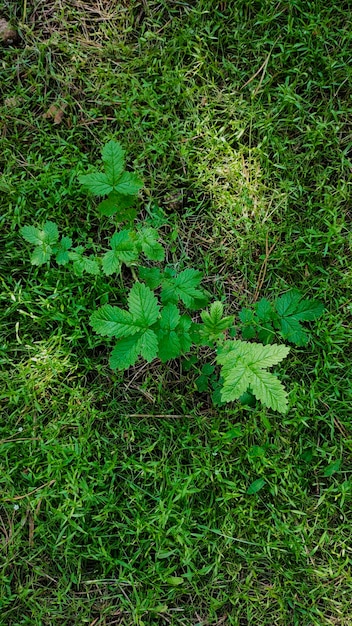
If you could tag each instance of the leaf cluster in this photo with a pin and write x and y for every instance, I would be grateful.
(283, 318)
(125, 247)
(157, 322)
(120, 186)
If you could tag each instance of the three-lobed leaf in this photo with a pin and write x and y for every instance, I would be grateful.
(44, 240)
(291, 310)
(184, 286)
(61, 251)
(114, 181)
(123, 250)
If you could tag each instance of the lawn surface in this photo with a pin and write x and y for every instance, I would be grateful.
(124, 497)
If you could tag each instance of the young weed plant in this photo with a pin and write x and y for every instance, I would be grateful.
(158, 320)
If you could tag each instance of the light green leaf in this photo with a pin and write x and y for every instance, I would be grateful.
(129, 184)
(244, 366)
(216, 311)
(61, 251)
(49, 235)
(175, 581)
(90, 265)
(236, 381)
(111, 263)
(124, 246)
(214, 323)
(33, 235)
(269, 390)
(256, 486)
(41, 254)
(110, 321)
(143, 305)
(114, 160)
(51, 232)
(84, 264)
(148, 240)
(97, 183)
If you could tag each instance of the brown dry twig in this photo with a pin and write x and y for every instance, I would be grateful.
(262, 272)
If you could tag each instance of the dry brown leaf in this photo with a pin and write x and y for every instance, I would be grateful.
(55, 112)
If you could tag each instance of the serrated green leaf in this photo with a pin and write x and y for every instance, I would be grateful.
(110, 321)
(214, 323)
(114, 161)
(33, 235)
(292, 310)
(84, 264)
(125, 353)
(170, 317)
(123, 243)
(143, 305)
(264, 310)
(108, 207)
(183, 333)
(292, 331)
(216, 311)
(61, 251)
(90, 265)
(148, 240)
(97, 183)
(129, 184)
(123, 251)
(169, 345)
(256, 486)
(119, 204)
(246, 316)
(148, 345)
(243, 367)
(184, 286)
(127, 350)
(51, 232)
(248, 332)
(41, 254)
(152, 276)
(111, 263)
(202, 383)
(269, 390)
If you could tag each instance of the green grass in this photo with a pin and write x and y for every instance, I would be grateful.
(124, 498)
